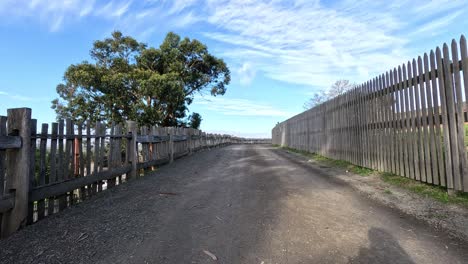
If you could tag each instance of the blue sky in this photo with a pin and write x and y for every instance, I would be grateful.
(279, 52)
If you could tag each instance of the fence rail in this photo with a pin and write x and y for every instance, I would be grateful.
(409, 121)
(43, 172)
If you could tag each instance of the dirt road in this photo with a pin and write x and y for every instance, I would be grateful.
(242, 204)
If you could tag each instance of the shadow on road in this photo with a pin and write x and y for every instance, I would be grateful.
(242, 204)
(383, 248)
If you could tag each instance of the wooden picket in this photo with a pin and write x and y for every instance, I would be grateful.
(42, 174)
(409, 121)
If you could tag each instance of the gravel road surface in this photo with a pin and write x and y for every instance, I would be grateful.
(236, 204)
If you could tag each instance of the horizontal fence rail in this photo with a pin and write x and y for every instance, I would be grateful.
(409, 121)
(47, 169)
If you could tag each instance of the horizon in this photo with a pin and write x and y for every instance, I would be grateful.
(279, 52)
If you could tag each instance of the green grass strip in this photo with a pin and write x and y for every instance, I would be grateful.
(438, 193)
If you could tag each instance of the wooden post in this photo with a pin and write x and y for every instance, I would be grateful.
(448, 180)
(154, 145)
(42, 169)
(171, 145)
(111, 155)
(464, 60)
(132, 155)
(32, 168)
(189, 140)
(18, 165)
(460, 122)
(3, 132)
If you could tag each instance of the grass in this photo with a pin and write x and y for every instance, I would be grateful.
(332, 162)
(466, 135)
(435, 192)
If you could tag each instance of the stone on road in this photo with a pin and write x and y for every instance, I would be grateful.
(237, 204)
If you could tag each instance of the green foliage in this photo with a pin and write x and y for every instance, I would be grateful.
(130, 81)
(361, 170)
(195, 120)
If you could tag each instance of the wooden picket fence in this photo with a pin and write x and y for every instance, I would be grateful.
(42, 173)
(409, 121)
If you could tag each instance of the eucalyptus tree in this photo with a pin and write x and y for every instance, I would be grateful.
(128, 80)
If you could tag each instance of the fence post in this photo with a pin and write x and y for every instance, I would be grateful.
(132, 150)
(189, 140)
(3, 132)
(171, 145)
(32, 168)
(18, 165)
(199, 141)
(205, 141)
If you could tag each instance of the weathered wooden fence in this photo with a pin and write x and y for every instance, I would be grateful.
(409, 121)
(256, 140)
(42, 172)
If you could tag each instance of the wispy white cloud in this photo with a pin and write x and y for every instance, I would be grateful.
(240, 107)
(179, 5)
(434, 7)
(112, 9)
(246, 73)
(19, 97)
(186, 20)
(434, 27)
(87, 8)
(56, 13)
(317, 42)
(142, 18)
(308, 42)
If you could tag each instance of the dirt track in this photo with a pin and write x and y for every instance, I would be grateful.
(244, 204)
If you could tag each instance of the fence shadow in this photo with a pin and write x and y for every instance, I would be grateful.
(383, 248)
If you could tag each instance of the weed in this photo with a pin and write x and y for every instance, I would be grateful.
(361, 171)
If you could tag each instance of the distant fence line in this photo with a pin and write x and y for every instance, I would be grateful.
(42, 173)
(256, 140)
(408, 121)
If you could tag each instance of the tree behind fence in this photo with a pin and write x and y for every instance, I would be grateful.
(409, 121)
(45, 171)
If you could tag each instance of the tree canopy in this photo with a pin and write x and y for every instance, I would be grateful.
(338, 88)
(128, 80)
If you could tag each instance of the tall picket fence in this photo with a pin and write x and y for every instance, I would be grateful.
(47, 169)
(409, 121)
